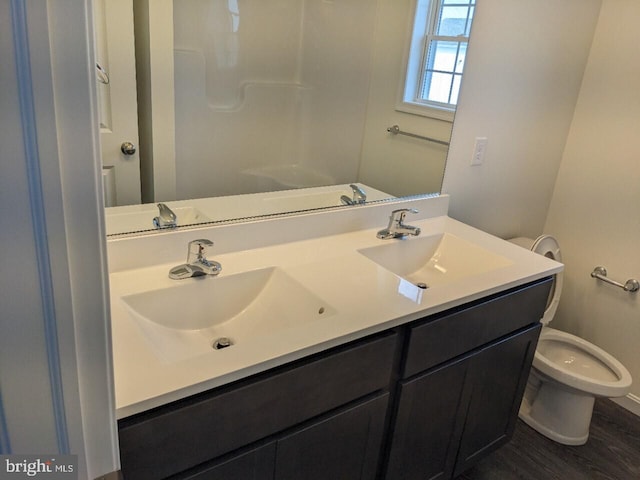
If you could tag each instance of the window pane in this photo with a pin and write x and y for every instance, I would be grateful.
(453, 21)
(434, 72)
(462, 54)
(468, 30)
(438, 88)
(457, 81)
(442, 56)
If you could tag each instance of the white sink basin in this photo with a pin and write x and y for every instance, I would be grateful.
(143, 220)
(434, 260)
(185, 320)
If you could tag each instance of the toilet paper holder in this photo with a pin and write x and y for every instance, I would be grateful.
(632, 285)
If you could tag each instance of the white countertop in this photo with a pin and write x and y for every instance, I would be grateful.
(365, 297)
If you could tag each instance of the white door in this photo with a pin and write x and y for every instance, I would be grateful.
(115, 53)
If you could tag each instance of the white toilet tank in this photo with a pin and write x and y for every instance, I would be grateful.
(548, 246)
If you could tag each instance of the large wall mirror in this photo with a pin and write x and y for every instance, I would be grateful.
(228, 109)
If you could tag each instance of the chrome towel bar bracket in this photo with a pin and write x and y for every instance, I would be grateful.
(632, 285)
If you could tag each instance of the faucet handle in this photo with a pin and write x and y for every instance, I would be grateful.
(359, 195)
(396, 227)
(399, 215)
(166, 217)
(197, 249)
(405, 210)
(205, 242)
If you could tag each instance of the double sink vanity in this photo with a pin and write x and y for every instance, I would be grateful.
(320, 351)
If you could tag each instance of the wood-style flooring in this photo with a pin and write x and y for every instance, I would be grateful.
(611, 453)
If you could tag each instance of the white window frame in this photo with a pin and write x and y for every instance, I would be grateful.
(422, 23)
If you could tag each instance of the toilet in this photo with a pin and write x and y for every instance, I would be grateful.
(568, 372)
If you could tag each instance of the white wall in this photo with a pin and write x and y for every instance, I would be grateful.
(398, 165)
(280, 83)
(594, 211)
(23, 359)
(156, 106)
(521, 81)
(325, 70)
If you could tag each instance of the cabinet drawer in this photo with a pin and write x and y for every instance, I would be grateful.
(181, 435)
(470, 326)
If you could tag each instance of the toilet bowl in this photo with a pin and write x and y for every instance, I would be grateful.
(567, 372)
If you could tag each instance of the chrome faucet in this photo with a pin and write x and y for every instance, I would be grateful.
(397, 227)
(359, 196)
(166, 217)
(197, 263)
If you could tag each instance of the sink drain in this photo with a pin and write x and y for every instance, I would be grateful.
(422, 285)
(222, 342)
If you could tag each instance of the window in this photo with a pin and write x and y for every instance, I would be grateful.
(436, 57)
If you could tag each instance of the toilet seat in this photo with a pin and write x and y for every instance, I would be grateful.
(595, 358)
(546, 246)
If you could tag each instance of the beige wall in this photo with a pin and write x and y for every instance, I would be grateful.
(398, 165)
(594, 212)
(563, 156)
(522, 78)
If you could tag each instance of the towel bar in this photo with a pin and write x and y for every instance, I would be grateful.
(632, 285)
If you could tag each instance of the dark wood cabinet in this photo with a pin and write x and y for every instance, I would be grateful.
(450, 334)
(342, 445)
(451, 416)
(182, 435)
(345, 446)
(256, 464)
(425, 400)
(496, 381)
(429, 406)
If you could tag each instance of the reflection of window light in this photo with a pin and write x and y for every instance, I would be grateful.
(234, 10)
(436, 57)
(410, 291)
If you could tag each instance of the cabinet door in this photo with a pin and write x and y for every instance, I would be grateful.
(497, 378)
(344, 446)
(451, 417)
(256, 464)
(424, 441)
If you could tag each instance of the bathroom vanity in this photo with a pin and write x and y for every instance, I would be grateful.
(385, 380)
(438, 394)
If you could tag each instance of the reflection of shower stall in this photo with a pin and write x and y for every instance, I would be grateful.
(267, 95)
